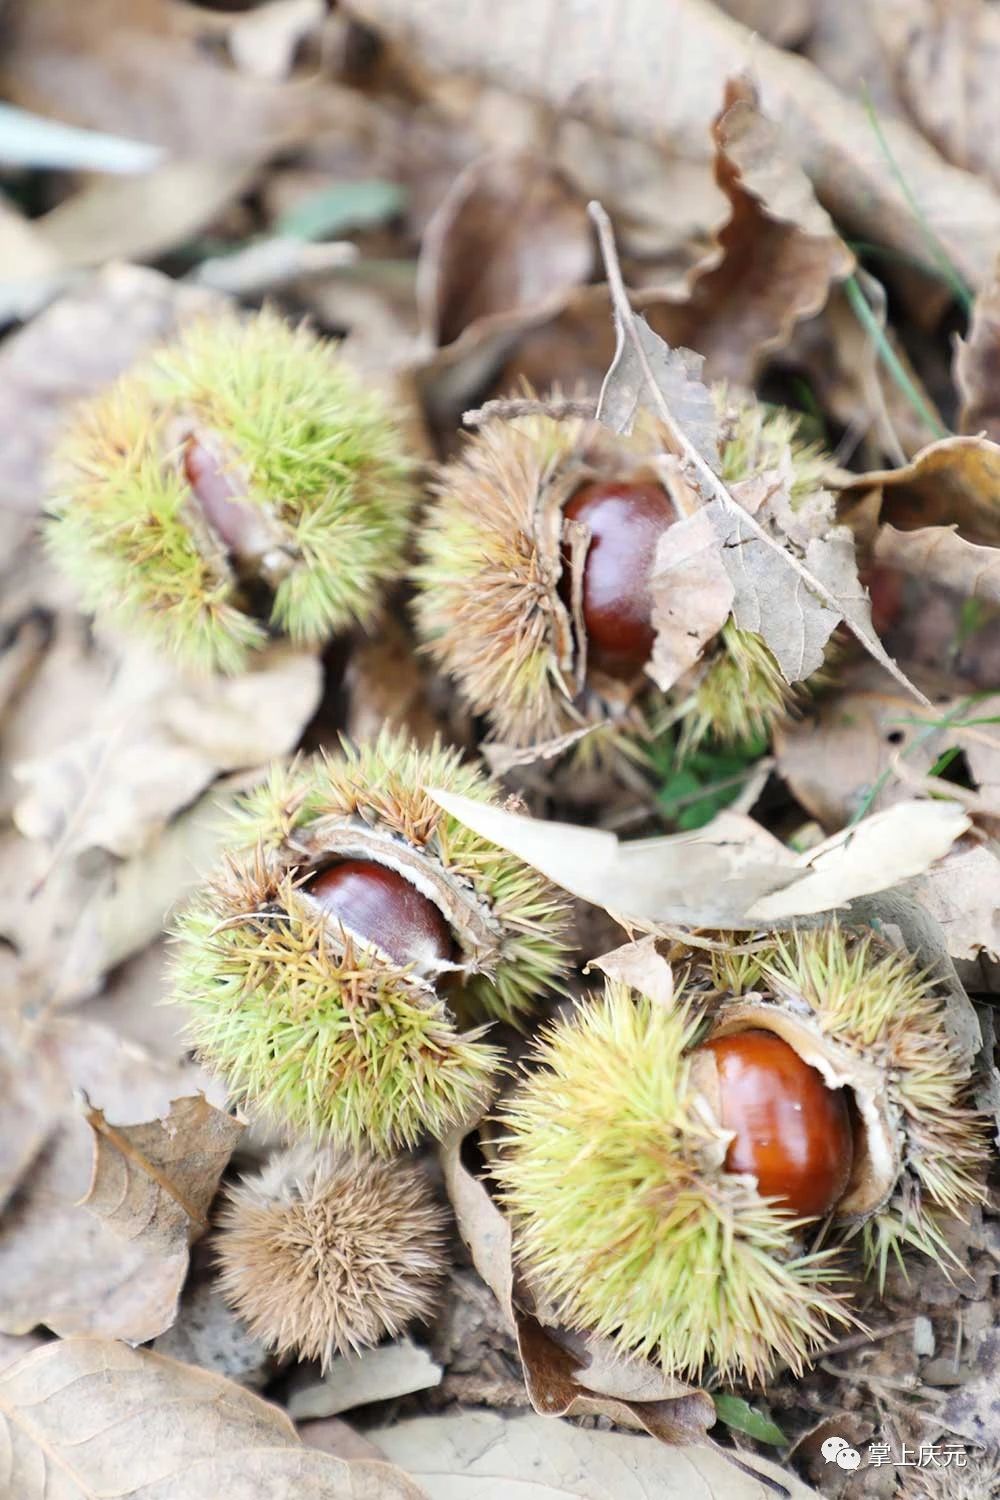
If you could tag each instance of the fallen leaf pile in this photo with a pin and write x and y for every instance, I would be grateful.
(633, 217)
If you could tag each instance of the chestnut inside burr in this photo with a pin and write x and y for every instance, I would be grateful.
(791, 1130)
(217, 492)
(378, 904)
(626, 520)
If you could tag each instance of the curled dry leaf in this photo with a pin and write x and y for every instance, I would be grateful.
(639, 965)
(869, 739)
(954, 482)
(943, 62)
(139, 69)
(506, 247)
(977, 364)
(794, 576)
(939, 554)
(962, 893)
(731, 312)
(566, 1375)
(731, 873)
(836, 756)
(154, 1182)
(72, 1270)
(488, 1455)
(658, 72)
(84, 1417)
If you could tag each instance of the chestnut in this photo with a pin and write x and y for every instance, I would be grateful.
(377, 903)
(686, 1192)
(626, 521)
(338, 965)
(790, 1129)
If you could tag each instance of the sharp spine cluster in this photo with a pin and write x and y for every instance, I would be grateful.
(325, 1253)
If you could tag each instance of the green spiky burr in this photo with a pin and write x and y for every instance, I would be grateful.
(615, 1164)
(492, 605)
(240, 483)
(339, 1022)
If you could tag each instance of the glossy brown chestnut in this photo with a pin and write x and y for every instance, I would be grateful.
(218, 494)
(626, 522)
(381, 905)
(791, 1131)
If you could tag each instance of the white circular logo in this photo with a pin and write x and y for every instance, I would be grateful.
(837, 1450)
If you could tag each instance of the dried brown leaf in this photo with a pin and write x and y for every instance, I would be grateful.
(955, 482)
(151, 743)
(943, 61)
(84, 1417)
(137, 67)
(488, 1455)
(843, 43)
(869, 736)
(938, 553)
(977, 364)
(692, 596)
(644, 368)
(775, 258)
(71, 921)
(144, 217)
(640, 965)
(29, 1095)
(658, 72)
(506, 247)
(387, 683)
(485, 1231)
(332, 1435)
(971, 1411)
(154, 1182)
(712, 878)
(264, 41)
(962, 893)
(61, 1265)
